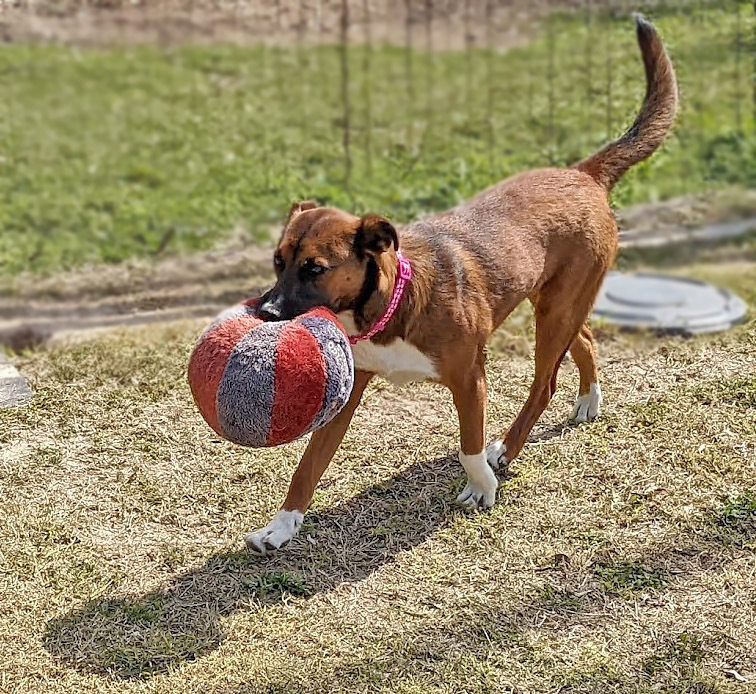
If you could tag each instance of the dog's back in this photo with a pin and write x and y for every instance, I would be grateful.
(533, 214)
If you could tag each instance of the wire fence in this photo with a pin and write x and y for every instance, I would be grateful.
(464, 92)
(577, 88)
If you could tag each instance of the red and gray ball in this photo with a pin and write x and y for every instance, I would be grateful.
(258, 383)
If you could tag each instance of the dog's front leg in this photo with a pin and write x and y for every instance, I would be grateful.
(317, 456)
(469, 391)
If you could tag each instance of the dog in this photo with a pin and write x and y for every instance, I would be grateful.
(546, 235)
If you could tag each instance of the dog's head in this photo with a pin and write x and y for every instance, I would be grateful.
(327, 257)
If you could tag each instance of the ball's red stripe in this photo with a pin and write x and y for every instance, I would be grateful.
(300, 381)
(208, 362)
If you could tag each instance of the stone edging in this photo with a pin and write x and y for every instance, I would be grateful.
(14, 389)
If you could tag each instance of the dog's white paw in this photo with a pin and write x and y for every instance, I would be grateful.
(480, 491)
(496, 454)
(588, 406)
(276, 534)
(473, 496)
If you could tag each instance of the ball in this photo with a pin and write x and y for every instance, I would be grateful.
(260, 383)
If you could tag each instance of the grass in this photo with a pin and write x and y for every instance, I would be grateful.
(628, 578)
(619, 556)
(110, 153)
(738, 510)
(276, 584)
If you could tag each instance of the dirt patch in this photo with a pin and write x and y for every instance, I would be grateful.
(134, 293)
(706, 215)
(144, 291)
(453, 23)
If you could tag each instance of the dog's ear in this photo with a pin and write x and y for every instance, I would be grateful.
(299, 207)
(375, 235)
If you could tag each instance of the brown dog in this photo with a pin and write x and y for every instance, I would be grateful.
(546, 235)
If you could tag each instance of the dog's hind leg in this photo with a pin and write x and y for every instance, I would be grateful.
(588, 401)
(561, 309)
(469, 391)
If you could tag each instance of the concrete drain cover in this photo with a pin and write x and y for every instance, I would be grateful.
(669, 304)
(14, 390)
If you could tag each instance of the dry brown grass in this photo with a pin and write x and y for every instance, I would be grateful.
(618, 558)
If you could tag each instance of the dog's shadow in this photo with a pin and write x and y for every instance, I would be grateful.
(135, 637)
(142, 635)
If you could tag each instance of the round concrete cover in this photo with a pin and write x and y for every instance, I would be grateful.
(673, 304)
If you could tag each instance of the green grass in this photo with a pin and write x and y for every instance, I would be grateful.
(736, 511)
(110, 153)
(737, 516)
(686, 647)
(625, 579)
(276, 584)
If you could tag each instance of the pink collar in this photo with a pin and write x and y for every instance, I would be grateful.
(404, 275)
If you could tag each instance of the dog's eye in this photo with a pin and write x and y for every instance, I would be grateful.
(278, 262)
(313, 269)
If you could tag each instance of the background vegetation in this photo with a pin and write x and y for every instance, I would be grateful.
(106, 153)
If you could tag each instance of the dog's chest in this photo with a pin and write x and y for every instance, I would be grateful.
(398, 362)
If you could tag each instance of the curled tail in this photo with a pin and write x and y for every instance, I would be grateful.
(654, 120)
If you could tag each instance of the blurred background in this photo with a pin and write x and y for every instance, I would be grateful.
(150, 148)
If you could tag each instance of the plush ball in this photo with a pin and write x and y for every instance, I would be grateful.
(260, 383)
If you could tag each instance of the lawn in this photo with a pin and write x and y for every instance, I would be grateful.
(619, 556)
(111, 153)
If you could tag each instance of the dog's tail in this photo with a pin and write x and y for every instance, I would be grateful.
(654, 121)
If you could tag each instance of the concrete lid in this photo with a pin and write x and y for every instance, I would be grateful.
(670, 304)
(14, 390)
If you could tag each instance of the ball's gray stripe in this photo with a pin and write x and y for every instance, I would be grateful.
(339, 362)
(247, 388)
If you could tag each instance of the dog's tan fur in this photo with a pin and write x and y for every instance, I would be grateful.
(546, 235)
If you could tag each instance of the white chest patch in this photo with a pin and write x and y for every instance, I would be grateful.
(399, 362)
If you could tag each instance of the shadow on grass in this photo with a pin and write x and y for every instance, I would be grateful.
(139, 636)
(483, 639)
(543, 433)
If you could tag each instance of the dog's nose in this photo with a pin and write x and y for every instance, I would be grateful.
(269, 311)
